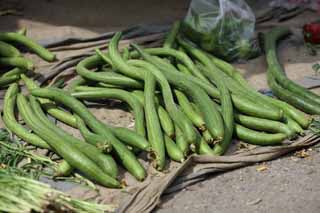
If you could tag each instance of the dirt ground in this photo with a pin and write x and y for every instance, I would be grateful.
(289, 184)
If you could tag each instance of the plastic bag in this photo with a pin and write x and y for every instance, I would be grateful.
(222, 27)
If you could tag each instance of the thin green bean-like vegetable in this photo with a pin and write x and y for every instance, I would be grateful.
(104, 161)
(90, 137)
(182, 143)
(303, 119)
(213, 74)
(291, 97)
(181, 56)
(166, 122)
(105, 85)
(93, 93)
(268, 109)
(127, 157)
(131, 138)
(125, 53)
(186, 107)
(122, 66)
(208, 137)
(7, 50)
(203, 147)
(202, 100)
(258, 138)
(208, 109)
(21, 39)
(105, 77)
(199, 96)
(123, 134)
(173, 150)
(63, 169)
(183, 69)
(155, 135)
(49, 106)
(292, 124)
(20, 62)
(5, 81)
(264, 125)
(14, 71)
(164, 117)
(303, 98)
(205, 134)
(169, 41)
(77, 81)
(175, 114)
(11, 122)
(275, 69)
(66, 150)
(241, 103)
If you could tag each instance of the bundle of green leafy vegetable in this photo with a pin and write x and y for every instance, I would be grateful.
(20, 190)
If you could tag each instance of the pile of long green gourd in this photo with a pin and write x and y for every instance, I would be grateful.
(184, 101)
(12, 63)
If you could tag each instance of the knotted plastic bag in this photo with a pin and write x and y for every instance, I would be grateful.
(222, 27)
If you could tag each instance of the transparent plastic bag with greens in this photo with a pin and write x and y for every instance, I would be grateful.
(222, 27)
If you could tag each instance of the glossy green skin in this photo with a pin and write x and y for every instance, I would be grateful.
(77, 81)
(258, 138)
(63, 169)
(273, 113)
(274, 68)
(303, 119)
(65, 149)
(90, 137)
(170, 38)
(181, 56)
(214, 75)
(291, 97)
(211, 115)
(5, 81)
(11, 123)
(294, 126)
(139, 73)
(164, 117)
(131, 138)
(175, 113)
(128, 159)
(208, 137)
(264, 125)
(166, 121)
(7, 50)
(95, 93)
(231, 76)
(202, 147)
(182, 143)
(14, 71)
(173, 150)
(155, 135)
(49, 106)
(105, 77)
(19, 62)
(33, 46)
(123, 134)
(183, 69)
(240, 102)
(186, 107)
(104, 161)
